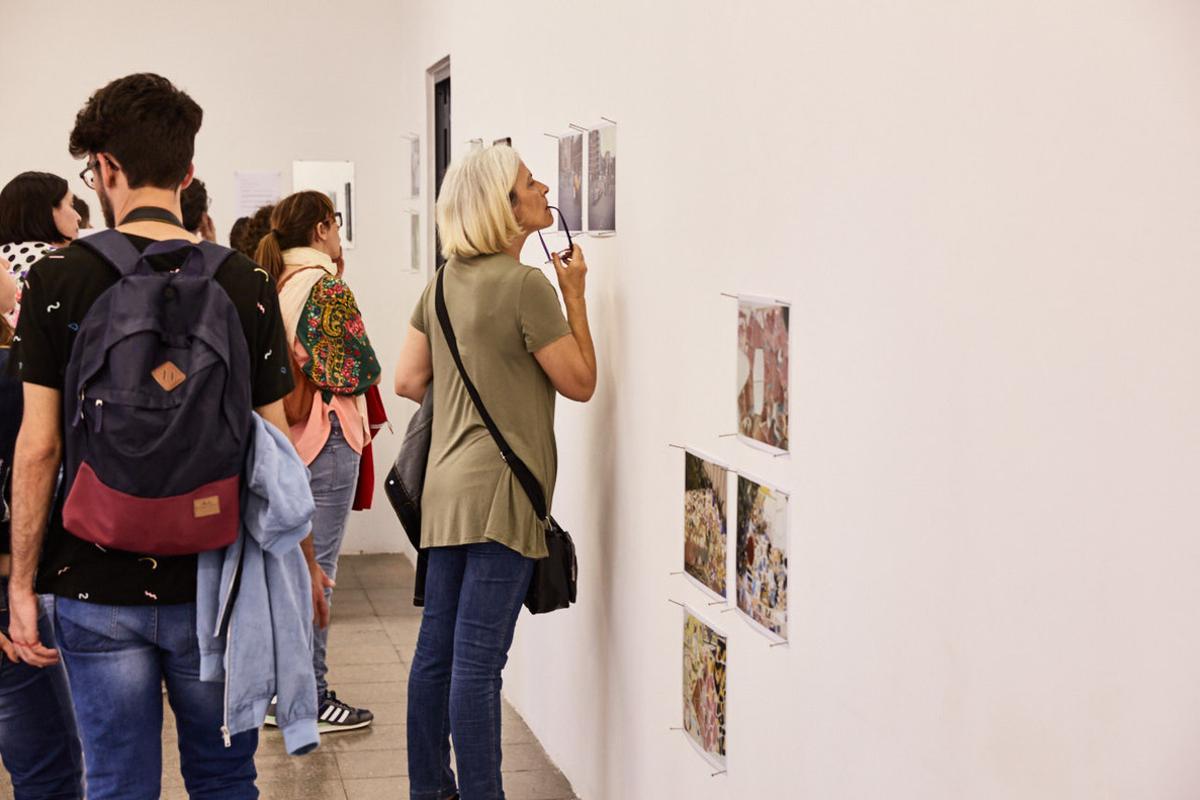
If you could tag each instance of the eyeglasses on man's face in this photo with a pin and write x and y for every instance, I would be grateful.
(89, 173)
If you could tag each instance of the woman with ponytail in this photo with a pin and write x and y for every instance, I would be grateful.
(334, 366)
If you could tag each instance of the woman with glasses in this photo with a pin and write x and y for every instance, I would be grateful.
(37, 214)
(477, 524)
(334, 366)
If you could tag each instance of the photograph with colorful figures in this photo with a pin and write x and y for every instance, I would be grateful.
(704, 658)
(705, 523)
(761, 556)
(762, 373)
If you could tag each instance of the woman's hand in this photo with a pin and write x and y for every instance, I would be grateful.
(572, 274)
(320, 582)
(570, 362)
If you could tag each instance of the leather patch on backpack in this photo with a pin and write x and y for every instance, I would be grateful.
(168, 376)
(206, 507)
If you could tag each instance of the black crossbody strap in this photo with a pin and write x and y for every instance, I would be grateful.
(528, 482)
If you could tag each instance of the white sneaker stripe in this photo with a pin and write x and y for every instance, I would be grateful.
(326, 713)
(345, 714)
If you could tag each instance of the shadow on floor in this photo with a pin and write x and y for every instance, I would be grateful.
(371, 641)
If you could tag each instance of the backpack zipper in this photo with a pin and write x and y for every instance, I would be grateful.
(226, 621)
(225, 706)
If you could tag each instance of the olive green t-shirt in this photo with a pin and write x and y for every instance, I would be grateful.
(502, 312)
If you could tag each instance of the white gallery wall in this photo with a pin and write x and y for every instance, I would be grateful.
(984, 216)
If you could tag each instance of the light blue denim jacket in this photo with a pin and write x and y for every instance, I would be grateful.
(260, 640)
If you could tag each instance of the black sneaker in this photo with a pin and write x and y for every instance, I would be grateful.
(334, 715)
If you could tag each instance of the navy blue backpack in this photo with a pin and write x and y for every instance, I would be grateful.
(157, 405)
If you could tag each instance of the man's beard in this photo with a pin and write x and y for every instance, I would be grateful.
(110, 218)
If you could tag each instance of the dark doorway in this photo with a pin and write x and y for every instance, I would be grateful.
(441, 144)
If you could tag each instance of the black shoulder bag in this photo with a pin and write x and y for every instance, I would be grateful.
(553, 585)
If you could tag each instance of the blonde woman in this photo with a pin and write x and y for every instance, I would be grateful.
(481, 531)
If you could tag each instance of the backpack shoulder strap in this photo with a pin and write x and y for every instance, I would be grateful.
(214, 256)
(279, 286)
(115, 248)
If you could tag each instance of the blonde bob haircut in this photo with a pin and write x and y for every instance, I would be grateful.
(474, 209)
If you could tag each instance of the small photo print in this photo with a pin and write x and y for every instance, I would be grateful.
(704, 658)
(570, 182)
(762, 373)
(415, 263)
(602, 179)
(762, 556)
(705, 486)
(414, 166)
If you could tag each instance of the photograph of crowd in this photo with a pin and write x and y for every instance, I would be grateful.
(761, 556)
(570, 182)
(706, 486)
(704, 652)
(762, 399)
(602, 179)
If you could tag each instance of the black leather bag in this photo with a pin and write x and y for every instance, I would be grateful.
(554, 577)
(406, 480)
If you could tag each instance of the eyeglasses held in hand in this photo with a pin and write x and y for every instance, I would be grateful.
(564, 255)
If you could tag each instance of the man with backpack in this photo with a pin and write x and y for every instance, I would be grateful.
(142, 356)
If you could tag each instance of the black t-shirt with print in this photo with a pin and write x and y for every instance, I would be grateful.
(59, 291)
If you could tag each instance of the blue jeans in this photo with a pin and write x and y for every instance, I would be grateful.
(334, 477)
(473, 595)
(39, 743)
(117, 657)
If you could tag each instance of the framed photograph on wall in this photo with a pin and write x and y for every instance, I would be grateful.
(705, 656)
(414, 166)
(761, 557)
(602, 179)
(705, 523)
(570, 182)
(762, 373)
(415, 242)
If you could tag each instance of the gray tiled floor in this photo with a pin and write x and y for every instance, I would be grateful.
(370, 643)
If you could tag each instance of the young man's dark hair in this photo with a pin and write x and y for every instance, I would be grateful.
(85, 213)
(27, 204)
(146, 124)
(193, 201)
